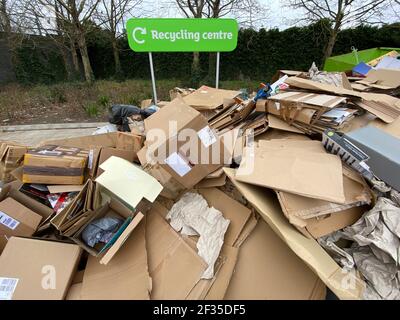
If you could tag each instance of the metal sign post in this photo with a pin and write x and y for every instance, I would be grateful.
(181, 35)
(153, 79)
(217, 72)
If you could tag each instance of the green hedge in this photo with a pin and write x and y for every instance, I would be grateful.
(258, 54)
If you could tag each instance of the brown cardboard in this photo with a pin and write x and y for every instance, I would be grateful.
(74, 292)
(184, 117)
(232, 210)
(16, 220)
(126, 277)
(276, 123)
(34, 262)
(324, 225)
(114, 208)
(308, 250)
(54, 164)
(207, 98)
(174, 266)
(84, 142)
(11, 157)
(12, 190)
(268, 269)
(106, 153)
(79, 205)
(309, 174)
(356, 193)
(212, 182)
(382, 79)
(383, 106)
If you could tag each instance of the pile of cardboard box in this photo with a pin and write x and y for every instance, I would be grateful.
(279, 172)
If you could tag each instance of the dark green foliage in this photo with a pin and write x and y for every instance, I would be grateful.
(257, 57)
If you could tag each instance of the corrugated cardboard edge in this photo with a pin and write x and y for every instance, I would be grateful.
(121, 239)
(308, 250)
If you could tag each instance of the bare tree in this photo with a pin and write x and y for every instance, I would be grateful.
(339, 13)
(72, 18)
(111, 14)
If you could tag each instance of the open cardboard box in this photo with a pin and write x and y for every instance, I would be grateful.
(188, 163)
(126, 144)
(108, 250)
(39, 213)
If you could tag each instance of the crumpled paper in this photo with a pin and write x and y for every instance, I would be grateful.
(375, 251)
(191, 216)
(332, 78)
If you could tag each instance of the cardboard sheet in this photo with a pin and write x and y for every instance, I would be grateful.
(308, 250)
(276, 123)
(207, 98)
(268, 269)
(126, 277)
(309, 174)
(128, 182)
(174, 266)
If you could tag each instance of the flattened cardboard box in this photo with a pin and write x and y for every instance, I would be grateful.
(313, 255)
(125, 277)
(53, 164)
(25, 263)
(189, 150)
(302, 172)
(16, 220)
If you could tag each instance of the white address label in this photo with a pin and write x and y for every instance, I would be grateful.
(7, 221)
(178, 164)
(206, 136)
(7, 287)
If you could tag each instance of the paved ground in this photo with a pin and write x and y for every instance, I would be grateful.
(34, 134)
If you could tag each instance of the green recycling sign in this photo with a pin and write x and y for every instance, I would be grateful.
(182, 35)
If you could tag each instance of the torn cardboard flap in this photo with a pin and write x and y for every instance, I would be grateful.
(207, 98)
(126, 277)
(308, 250)
(174, 266)
(309, 174)
(128, 182)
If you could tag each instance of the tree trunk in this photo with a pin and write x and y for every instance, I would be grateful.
(74, 55)
(196, 71)
(212, 63)
(67, 65)
(89, 77)
(196, 62)
(117, 62)
(329, 46)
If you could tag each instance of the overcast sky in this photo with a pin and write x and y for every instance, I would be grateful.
(276, 15)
